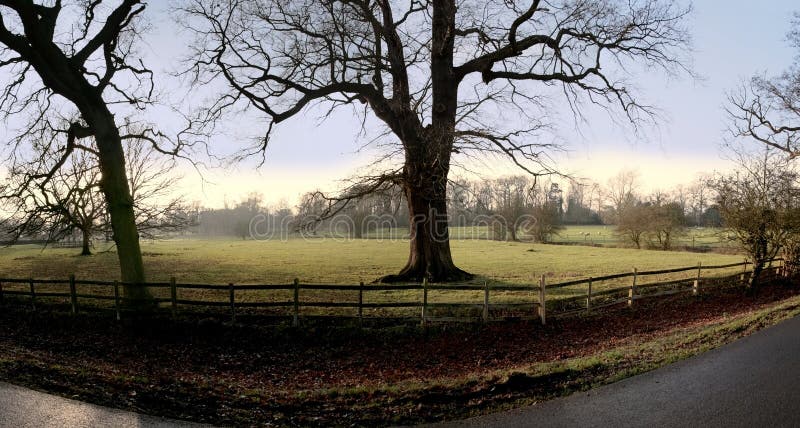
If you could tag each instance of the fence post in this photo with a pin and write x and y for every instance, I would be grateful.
(360, 302)
(632, 290)
(73, 295)
(116, 299)
(744, 271)
(173, 296)
(233, 301)
(542, 301)
(424, 300)
(485, 314)
(589, 297)
(33, 295)
(295, 318)
(696, 284)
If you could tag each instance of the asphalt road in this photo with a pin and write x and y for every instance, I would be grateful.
(753, 382)
(22, 408)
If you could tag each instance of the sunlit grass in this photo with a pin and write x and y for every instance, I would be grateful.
(331, 261)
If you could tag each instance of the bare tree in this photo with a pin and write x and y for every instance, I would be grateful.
(436, 73)
(698, 199)
(71, 200)
(621, 191)
(513, 206)
(759, 205)
(158, 208)
(547, 212)
(77, 60)
(666, 222)
(633, 223)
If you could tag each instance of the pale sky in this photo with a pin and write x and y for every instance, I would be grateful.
(732, 41)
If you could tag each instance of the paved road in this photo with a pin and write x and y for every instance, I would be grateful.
(23, 408)
(752, 382)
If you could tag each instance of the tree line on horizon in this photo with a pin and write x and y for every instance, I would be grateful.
(510, 208)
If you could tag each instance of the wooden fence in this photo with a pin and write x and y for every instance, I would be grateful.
(585, 296)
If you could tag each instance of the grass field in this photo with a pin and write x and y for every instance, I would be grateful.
(695, 237)
(328, 261)
(605, 235)
(341, 262)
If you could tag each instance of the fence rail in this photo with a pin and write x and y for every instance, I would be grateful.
(537, 305)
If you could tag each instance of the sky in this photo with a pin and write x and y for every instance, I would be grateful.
(732, 41)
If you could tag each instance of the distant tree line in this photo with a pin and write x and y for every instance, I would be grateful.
(510, 208)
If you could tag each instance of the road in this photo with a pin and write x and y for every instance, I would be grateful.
(752, 382)
(23, 408)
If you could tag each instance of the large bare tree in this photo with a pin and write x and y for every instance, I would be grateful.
(76, 60)
(446, 78)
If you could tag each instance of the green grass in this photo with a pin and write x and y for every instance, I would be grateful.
(341, 262)
(606, 235)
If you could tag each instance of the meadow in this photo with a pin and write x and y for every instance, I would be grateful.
(350, 261)
(331, 261)
(601, 235)
(694, 237)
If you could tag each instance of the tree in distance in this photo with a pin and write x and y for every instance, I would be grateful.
(71, 200)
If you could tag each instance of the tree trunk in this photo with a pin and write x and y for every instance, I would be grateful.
(425, 188)
(512, 231)
(753, 281)
(117, 193)
(429, 255)
(87, 241)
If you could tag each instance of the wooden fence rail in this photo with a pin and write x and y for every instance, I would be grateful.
(593, 299)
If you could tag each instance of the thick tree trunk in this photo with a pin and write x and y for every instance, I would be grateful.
(429, 255)
(87, 241)
(117, 193)
(425, 189)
